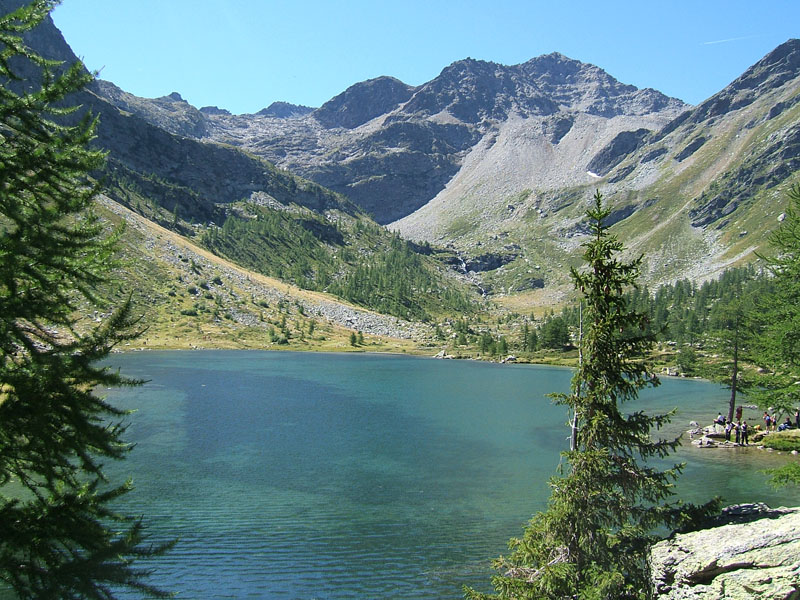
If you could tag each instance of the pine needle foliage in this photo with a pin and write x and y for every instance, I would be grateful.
(778, 310)
(59, 535)
(591, 542)
(777, 316)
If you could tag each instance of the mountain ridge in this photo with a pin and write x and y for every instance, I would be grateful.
(736, 150)
(497, 161)
(396, 146)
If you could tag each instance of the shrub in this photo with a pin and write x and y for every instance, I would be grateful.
(786, 441)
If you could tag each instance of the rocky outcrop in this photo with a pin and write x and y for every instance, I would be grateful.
(284, 110)
(621, 146)
(774, 70)
(489, 261)
(749, 552)
(362, 102)
(690, 148)
(214, 110)
(171, 113)
(778, 160)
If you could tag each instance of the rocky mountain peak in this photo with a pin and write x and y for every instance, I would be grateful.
(468, 68)
(214, 110)
(774, 69)
(555, 66)
(474, 91)
(588, 88)
(363, 102)
(285, 110)
(173, 97)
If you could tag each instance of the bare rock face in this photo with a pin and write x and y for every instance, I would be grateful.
(362, 102)
(754, 553)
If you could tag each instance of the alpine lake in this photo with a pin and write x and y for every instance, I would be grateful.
(356, 476)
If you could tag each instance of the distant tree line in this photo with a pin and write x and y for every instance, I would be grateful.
(608, 505)
(607, 500)
(355, 260)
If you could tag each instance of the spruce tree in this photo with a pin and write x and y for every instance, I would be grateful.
(592, 540)
(59, 536)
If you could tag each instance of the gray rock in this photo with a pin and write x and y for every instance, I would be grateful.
(363, 101)
(489, 261)
(617, 149)
(740, 556)
(284, 110)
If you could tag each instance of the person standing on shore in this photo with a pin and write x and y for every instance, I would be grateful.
(738, 427)
(744, 434)
(728, 427)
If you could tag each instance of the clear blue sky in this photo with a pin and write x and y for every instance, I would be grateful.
(244, 54)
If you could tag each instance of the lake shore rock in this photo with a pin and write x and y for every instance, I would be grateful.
(713, 436)
(750, 551)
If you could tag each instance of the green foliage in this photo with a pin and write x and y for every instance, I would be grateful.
(682, 311)
(789, 474)
(554, 333)
(59, 536)
(502, 346)
(486, 344)
(687, 360)
(731, 336)
(781, 442)
(592, 540)
(398, 281)
(358, 262)
(777, 316)
(274, 243)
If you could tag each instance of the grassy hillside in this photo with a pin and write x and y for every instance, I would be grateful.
(351, 258)
(189, 298)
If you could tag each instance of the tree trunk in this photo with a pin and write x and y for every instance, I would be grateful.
(734, 377)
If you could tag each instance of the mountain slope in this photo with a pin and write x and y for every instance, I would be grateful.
(391, 148)
(497, 162)
(190, 298)
(695, 196)
(721, 169)
(247, 210)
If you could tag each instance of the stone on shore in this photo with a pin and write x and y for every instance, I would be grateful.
(749, 552)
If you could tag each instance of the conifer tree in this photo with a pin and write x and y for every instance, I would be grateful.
(779, 346)
(591, 541)
(778, 312)
(59, 536)
(731, 335)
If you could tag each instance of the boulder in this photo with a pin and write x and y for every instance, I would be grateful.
(750, 551)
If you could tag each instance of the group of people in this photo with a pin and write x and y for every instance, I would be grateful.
(739, 428)
(771, 422)
(741, 431)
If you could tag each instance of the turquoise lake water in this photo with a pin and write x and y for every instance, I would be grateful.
(303, 476)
